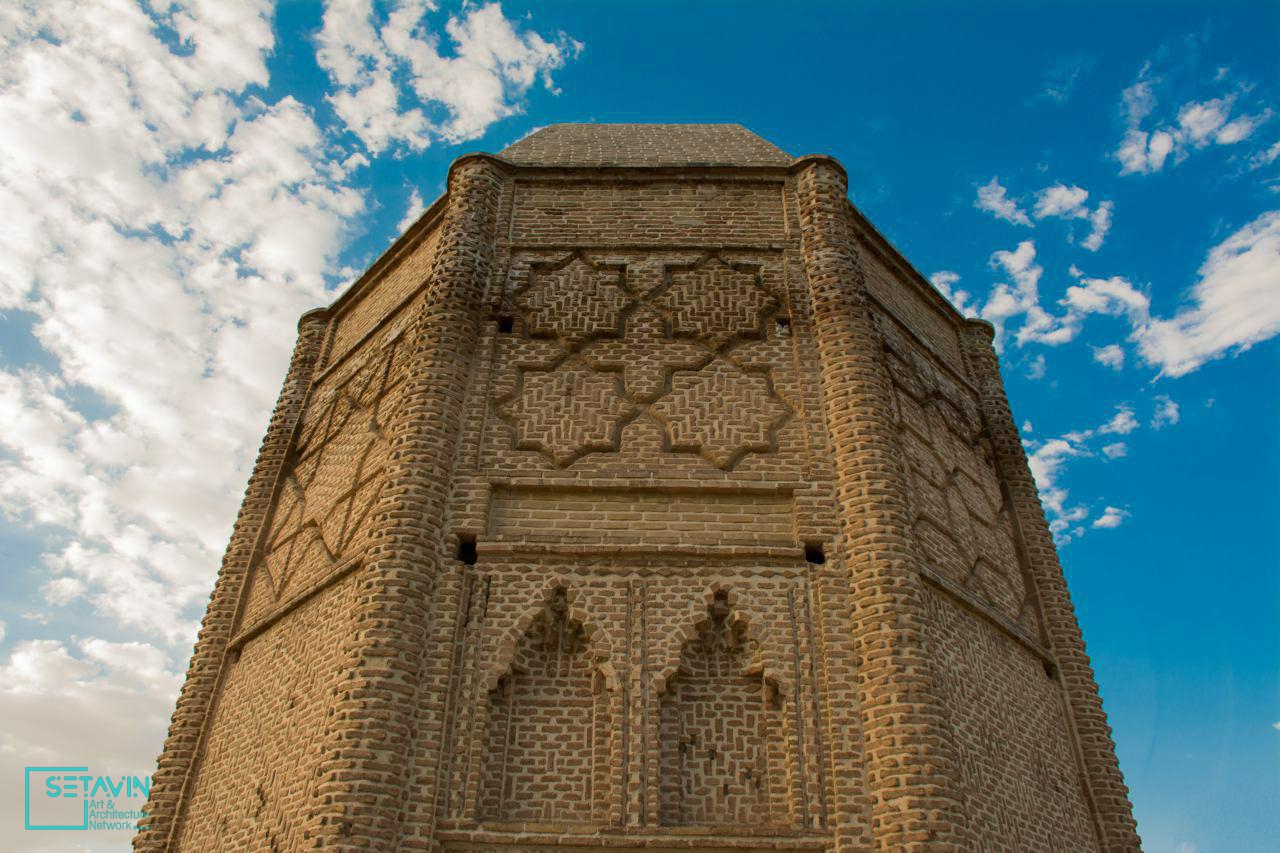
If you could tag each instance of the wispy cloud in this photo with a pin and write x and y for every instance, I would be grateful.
(1062, 79)
(1196, 124)
(945, 281)
(1111, 518)
(1050, 458)
(1111, 355)
(994, 199)
(1057, 201)
(1234, 304)
(394, 85)
(1166, 412)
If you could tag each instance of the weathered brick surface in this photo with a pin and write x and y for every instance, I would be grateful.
(643, 497)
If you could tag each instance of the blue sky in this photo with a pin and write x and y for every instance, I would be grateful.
(1102, 180)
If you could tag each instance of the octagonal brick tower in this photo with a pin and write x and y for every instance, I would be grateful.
(641, 495)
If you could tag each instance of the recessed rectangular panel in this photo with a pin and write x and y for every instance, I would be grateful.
(642, 516)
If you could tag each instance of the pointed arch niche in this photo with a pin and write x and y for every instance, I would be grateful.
(722, 729)
(549, 724)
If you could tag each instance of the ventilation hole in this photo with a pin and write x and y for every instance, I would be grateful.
(813, 553)
(783, 325)
(467, 549)
(1050, 671)
(505, 325)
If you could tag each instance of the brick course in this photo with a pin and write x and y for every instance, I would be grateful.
(641, 495)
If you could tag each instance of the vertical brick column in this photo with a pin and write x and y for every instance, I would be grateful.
(175, 765)
(1102, 771)
(911, 775)
(364, 776)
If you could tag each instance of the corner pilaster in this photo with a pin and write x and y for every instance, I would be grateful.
(1062, 632)
(912, 779)
(369, 744)
(174, 772)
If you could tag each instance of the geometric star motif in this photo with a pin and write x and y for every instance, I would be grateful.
(714, 301)
(574, 300)
(721, 413)
(644, 355)
(568, 411)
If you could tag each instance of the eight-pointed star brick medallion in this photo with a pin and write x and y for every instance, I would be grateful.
(569, 411)
(574, 300)
(645, 355)
(721, 413)
(716, 301)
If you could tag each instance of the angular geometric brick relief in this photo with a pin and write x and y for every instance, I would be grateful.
(720, 726)
(721, 413)
(574, 300)
(645, 355)
(960, 518)
(333, 483)
(595, 350)
(715, 301)
(547, 718)
(568, 411)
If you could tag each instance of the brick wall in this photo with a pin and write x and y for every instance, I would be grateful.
(658, 507)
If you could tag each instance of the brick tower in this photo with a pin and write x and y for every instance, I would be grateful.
(641, 495)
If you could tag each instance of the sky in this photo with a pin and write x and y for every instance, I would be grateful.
(180, 179)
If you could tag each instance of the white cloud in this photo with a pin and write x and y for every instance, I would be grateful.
(1026, 426)
(993, 198)
(1196, 124)
(1069, 202)
(1062, 78)
(1166, 412)
(1200, 121)
(90, 702)
(1234, 305)
(411, 214)
(1112, 355)
(1100, 219)
(1036, 369)
(1049, 460)
(1112, 517)
(1115, 450)
(444, 97)
(1061, 201)
(945, 281)
(1122, 423)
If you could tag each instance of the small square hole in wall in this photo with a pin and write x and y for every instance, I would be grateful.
(1050, 671)
(506, 324)
(467, 549)
(814, 554)
(783, 326)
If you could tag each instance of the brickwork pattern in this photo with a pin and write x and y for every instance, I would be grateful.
(641, 495)
(1018, 770)
(188, 729)
(1089, 722)
(910, 759)
(544, 715)
(675, 344)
